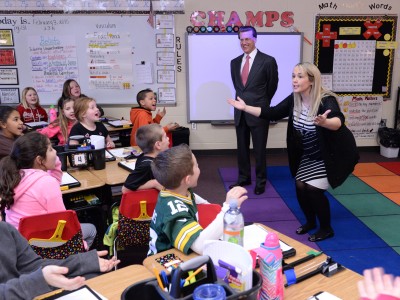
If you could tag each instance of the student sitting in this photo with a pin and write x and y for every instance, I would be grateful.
(11, 127)
(30, 182)
(88, 116)
(151, 139)
(30, 109)
(174, 222)
(72, 90)
(25, 275)
(61, 127)
(141, 115)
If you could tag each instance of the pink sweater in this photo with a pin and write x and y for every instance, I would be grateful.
(37, 193)
(55, 130)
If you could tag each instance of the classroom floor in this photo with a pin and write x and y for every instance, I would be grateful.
(211, 187)
(368, 203)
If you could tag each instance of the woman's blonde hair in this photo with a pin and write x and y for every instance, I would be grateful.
(317, 91)
(81, 106)
(23, 98)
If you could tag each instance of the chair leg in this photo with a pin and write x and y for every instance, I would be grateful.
(115, 246)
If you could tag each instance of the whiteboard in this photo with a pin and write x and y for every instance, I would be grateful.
(112, 57)
(209, 82)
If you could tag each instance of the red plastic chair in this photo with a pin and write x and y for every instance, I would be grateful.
(49, 238)
(135, 212)
(207, 213)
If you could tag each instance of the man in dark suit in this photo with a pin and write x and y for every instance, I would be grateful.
(255, 78)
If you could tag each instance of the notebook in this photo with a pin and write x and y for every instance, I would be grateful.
(255, 234)
(124, 152)
(109, 156)
(37, 125)
(120, 123)
(128, 165)
(68, 181)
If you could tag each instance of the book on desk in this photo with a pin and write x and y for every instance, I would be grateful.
(68, 181)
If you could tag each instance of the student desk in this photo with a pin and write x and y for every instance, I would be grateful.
(111, 285)
(95, 214)
(342, 284)
(87, 179)
(112, 174)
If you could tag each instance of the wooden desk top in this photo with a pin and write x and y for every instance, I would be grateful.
(112, 174)
(112, 284)
(342, 284)
(112, 128)
(87, 180)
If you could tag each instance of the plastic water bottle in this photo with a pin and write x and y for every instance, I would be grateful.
(52, 114)
(270, 255)
(233, 224)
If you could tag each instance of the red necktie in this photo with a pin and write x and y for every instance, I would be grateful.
(245, 70)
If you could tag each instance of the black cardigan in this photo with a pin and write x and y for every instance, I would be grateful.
(338, 147)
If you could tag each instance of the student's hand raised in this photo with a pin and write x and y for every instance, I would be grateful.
(54, 276)
(239, 193)
(376, 282)
(238, 104)
(162, 112)
(107, 264)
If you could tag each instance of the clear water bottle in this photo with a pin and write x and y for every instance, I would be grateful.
(270, 254)
(52, 114)
(233, 224)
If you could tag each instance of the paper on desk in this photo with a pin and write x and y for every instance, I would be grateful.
(67, 179)
(120, 123)
(324, 296)
(37, 124)
(122, 152)
(254, 235)
(82, 293)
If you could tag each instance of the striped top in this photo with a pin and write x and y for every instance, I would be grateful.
(312, 168)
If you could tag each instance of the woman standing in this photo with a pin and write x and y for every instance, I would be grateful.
(322, 150)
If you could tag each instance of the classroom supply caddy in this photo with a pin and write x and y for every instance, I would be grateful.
(150, 289)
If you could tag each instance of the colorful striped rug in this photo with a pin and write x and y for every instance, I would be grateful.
(365, 214)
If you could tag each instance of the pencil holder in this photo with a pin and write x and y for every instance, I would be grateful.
(151, 290)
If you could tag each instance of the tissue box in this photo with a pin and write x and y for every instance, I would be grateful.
(389, 152)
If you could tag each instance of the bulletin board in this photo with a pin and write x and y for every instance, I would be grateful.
(355, 54)
(112, 57)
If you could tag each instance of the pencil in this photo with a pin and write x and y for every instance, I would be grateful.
(194, 274)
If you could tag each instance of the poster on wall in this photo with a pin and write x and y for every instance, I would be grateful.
(363, 114)
(6, 38)
(8, 76)
(359, 52)
(9, 96)
(7, 57)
